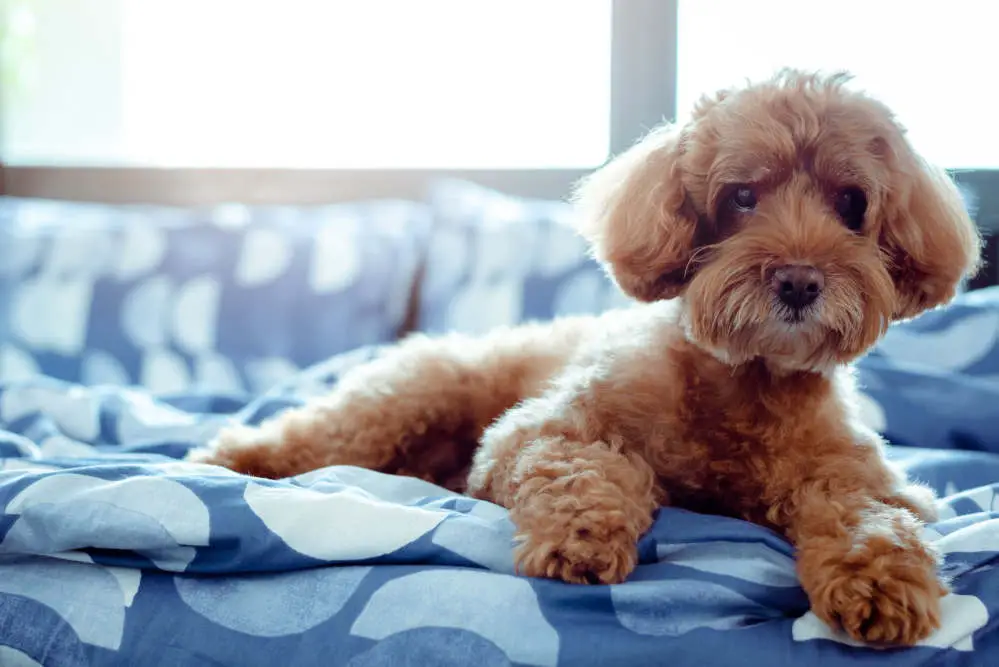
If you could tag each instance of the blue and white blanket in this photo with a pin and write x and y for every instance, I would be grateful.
(114, 552)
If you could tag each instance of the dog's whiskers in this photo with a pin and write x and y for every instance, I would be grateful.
(697, 257)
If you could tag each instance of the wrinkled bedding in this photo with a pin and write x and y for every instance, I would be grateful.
(113, 551)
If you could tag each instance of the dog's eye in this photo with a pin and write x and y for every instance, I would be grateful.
(743, 198)
(851, 205)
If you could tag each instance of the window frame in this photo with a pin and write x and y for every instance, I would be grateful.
(643, 85)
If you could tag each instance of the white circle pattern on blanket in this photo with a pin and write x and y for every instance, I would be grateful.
(580, 294)
(955, 348)
(336, 260)
(295, 601)
(265, 257)
(217, 372)
(749, 561)
(142, 249)
(100, 622)
(563, 248)
(16, 364)
(482, 306)
(59, 446)
(80, 253)
(11, 657)
(22, 254)
(98, 367)
(479, 602)
(51, 314)
(449, 256)
(388, 487)
(345, 525)
(173, 515)
(24, 465)
(441, 647)
(196, 314)
(231, 216)
(694, 605)
(485, 543)
(976, 538)
(74, 412)
(503, 255)
(145, 312)
(146, 417)
(163, 371)
(266, 372)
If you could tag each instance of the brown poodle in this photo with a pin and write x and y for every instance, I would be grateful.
(773, 238)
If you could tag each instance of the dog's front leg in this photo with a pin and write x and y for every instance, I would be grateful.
(862, 560)
(579, 503)
(902, 492)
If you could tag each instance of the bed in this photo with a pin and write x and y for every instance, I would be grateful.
(115, 551)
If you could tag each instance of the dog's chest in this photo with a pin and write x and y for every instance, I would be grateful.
(732, 442)
(716, 467)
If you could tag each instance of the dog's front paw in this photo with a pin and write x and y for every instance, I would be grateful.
(579, 510)
(581, 558)
(880, 593)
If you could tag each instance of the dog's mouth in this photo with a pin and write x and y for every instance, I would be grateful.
(794, 316)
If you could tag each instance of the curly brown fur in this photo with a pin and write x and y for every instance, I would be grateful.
(715, 394)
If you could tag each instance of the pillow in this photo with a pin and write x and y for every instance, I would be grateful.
(960, 338)
(497, 260)
(231, 298)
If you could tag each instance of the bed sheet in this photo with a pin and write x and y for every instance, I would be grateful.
(113, 551)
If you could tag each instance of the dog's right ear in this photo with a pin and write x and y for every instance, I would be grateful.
(635, 214)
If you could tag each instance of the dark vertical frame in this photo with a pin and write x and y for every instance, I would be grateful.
(643, 68)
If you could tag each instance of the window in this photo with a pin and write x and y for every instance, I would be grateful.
(305, 84)
(929, 61)
(304, 100)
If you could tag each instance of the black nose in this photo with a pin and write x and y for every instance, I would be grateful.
(798, 286)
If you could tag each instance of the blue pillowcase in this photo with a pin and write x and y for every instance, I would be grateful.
(499, 260)
(228, 299)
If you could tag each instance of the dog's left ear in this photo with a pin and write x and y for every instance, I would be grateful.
(930, 240)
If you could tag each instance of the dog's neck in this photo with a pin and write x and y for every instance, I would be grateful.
(768, 375)
(825, 361)
(773, 388)
(776, 368)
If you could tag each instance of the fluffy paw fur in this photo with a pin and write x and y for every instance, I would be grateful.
(884, 592)
(579, 510)
(578, 556)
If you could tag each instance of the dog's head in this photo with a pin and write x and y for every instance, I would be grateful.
(792, 217)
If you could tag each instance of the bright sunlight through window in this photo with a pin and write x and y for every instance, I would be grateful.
(932, 62)
(301, 83)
